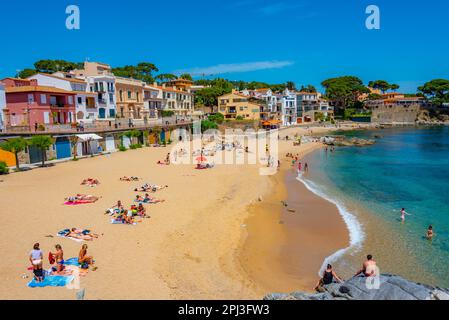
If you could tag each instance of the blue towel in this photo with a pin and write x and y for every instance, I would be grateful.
(72, 262)
(52, 281)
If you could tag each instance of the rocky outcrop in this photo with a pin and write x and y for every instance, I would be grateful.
(346, 142)
(391, 287)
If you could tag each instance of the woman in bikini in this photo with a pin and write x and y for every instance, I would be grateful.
(59, 258)
(83, 257)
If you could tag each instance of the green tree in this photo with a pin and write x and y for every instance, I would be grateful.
(308, 88)
(25, 73)
(15, 146)
(165, 77)
(436, 91)
(186, 76)
(206, 125)
(142, 71)
(394, 87)
(343, 92)
(290, 85)
(42, 143)
(217, 118)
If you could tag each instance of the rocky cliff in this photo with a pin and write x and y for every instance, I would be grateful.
(391, 288)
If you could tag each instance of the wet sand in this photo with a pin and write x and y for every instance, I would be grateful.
(286, 245)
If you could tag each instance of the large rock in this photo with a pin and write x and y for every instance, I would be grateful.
(390, 287)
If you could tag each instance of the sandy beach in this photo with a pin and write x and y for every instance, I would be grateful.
(203, 242)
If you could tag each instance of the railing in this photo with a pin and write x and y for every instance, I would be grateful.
(99, 126)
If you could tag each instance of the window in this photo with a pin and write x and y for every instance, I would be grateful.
(129, 94)
(43, 99)
(70, 100)
(121, 95)
(101, 87)
(111, 98)
(96, 86)
(80, 100)
(137, 95)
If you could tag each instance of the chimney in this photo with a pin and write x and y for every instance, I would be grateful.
(155, 84)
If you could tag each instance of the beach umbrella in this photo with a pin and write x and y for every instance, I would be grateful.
(201, 159)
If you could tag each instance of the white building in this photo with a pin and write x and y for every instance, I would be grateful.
(288, 107)
(104, 87)
(86, 102)
(175, 99)
(2, 105)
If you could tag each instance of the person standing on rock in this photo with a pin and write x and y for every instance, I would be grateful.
(369, 267)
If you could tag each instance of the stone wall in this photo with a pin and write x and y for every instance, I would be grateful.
(395, 114)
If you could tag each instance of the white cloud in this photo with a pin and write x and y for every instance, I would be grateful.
(235, 67)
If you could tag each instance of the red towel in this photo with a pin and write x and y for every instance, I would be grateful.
(50, 258)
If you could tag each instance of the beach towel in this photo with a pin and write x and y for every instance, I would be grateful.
(74, 239)
(51, 281)
(115, 221)
(72, 262)
(78, 202)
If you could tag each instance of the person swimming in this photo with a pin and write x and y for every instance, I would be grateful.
(430, 234)
(403, 214)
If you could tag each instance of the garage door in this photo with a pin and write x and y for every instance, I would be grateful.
(126, 142)
(110, 144)
(35, 154)
(63, 148)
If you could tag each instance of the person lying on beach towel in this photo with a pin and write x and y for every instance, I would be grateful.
(90, 182)
(152, 188)
(78, 234)
(163, 163)
(128, 179)
(124, 218)
(147, 199)
(116, 209)
(80, 199)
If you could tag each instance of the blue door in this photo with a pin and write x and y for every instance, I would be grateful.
(102, 113)
(162, 136)
(63, 148)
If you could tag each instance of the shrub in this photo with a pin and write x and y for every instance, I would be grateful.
(3, 168)
(239, 118)
(122, 149)
(135, 146)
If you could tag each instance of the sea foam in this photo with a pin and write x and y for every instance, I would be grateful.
(356, 233)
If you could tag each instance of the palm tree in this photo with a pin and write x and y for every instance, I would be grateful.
(15, 146)
(42, 143)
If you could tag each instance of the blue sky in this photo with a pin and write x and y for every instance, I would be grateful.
(272, 41)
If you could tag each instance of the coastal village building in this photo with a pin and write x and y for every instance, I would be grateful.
(130, 99)
(29, 104)
(288, 107)
(153, 101)
(176, 100)
(235, 105)
(2, 105)
(182, 84)
(86, 102)
(100, 81)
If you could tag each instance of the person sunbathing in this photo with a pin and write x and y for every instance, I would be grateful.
(81, 234)
(149, 199)
(141, 211)
(82, 197)
(90, 182)
(83, 257)
(143, 188)
(125, 178)
(155, 187)
(129, 217)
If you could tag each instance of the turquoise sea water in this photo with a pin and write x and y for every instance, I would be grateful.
(406, 168)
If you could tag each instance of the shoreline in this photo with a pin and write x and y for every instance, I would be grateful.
(284, 250)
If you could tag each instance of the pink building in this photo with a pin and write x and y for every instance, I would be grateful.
(28, 104)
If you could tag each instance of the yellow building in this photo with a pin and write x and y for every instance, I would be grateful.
(130, 98)
(235, 105)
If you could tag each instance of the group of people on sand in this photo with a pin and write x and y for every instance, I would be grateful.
(329, 276)
(165, 162)
(91, 182)
(295, 160)
(56, 261)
